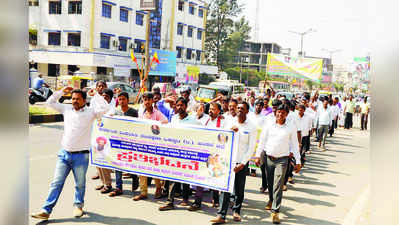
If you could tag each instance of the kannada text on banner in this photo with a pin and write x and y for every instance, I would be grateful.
(189, 154)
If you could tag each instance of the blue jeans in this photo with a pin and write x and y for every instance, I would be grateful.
(118, 179)
(66, 162)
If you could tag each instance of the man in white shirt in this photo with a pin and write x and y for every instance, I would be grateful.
(324, 118)
(364, 111)
(74, 155)
(305, 122)
(232, 110)
(246, 131)
(259, 120)
(200, 115)
(215, 121)
(278, 140)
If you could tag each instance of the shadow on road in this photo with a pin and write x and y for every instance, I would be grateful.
(94, 217)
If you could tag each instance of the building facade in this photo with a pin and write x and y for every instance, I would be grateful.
(253, 55)
(96, 36)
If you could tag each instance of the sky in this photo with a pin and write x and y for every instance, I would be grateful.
(340, 25)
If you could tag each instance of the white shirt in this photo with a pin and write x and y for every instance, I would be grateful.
(77, 124)
(95, 98)
(324, 116)
(246, 140)
(334, 111)
(278, 141)
(258, 119)
(212, 123)
(228, 117)
(305, 123)
(292, 117)
(203, 119)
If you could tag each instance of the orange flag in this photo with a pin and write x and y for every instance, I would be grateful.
(155, 58)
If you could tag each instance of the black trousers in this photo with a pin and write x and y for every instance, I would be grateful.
(348, 120)
(331, 129)
(305, 147)
(364, 121)
(290, 170)
(336, 123)
(239, 189)
(173, 189)
(263, 170)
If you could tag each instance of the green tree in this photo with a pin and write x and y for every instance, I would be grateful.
(219, 26)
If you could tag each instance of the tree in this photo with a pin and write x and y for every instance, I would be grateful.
(309, 84)
(219, 26)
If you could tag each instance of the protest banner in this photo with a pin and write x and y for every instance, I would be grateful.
(183, 153)
(252, 160)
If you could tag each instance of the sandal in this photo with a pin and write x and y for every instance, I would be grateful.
(99, 187)
(115, 192)
(106, 189)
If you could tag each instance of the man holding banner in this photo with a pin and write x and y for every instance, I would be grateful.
(277, 140)
(246, 146)
(150, 113)
(181, 117)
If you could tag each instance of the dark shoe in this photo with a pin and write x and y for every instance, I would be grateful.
(106, 189)
(218, 220)
(40, 215)
(95, 177)
(166, 207)
(236, 217)
(140, 197)
(253, 174)
(269, 206)
(99, 187)
(116, 192)
(194, 207)
(291, 180)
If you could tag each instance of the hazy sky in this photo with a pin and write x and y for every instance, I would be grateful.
(339, 24)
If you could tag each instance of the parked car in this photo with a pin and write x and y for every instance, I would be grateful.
(125, 87)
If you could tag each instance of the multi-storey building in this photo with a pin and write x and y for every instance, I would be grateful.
(253, 55)
(96, 36)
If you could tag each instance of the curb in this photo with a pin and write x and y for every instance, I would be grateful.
(46, 118)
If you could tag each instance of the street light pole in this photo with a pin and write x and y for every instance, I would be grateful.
(331, 52)
(303, 34)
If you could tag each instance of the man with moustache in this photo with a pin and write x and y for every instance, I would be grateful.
(215, 121)
(232, 110)
(277, 140)
(74, 155)
(181, 117)
(246, 131)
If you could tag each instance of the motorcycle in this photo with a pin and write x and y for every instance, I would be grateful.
(38, 95)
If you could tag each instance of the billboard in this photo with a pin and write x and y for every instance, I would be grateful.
(148, 4)
(306, 68)
(167, 63)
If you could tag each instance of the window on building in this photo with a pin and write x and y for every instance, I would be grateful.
(72, 69)
(105, 41)
(139, 45)
(189, 53)
(102, 70)
(191, 10)
(179, 50)
(53, 70)
(122, 44)
(199, 34)
(201, 13)
(198, 55)
(74, 7)
(180, 29)
(139, 19)
(124, 15)
(54, 38)
(107, 10)
(181, 6)
(33, 2)
(74, 39)
(54, 7)
(190, 32)
(33, 38)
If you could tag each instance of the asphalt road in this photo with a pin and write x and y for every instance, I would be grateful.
(331, 189)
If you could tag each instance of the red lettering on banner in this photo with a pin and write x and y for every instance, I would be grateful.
(157, 160)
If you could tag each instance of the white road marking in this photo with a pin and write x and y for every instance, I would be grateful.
(361, 202)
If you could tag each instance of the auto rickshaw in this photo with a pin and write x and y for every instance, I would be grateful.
(72, 81)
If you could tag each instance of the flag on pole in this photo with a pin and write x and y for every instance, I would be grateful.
(132, 56)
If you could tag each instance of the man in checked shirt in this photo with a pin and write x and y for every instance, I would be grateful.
(278, 139)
